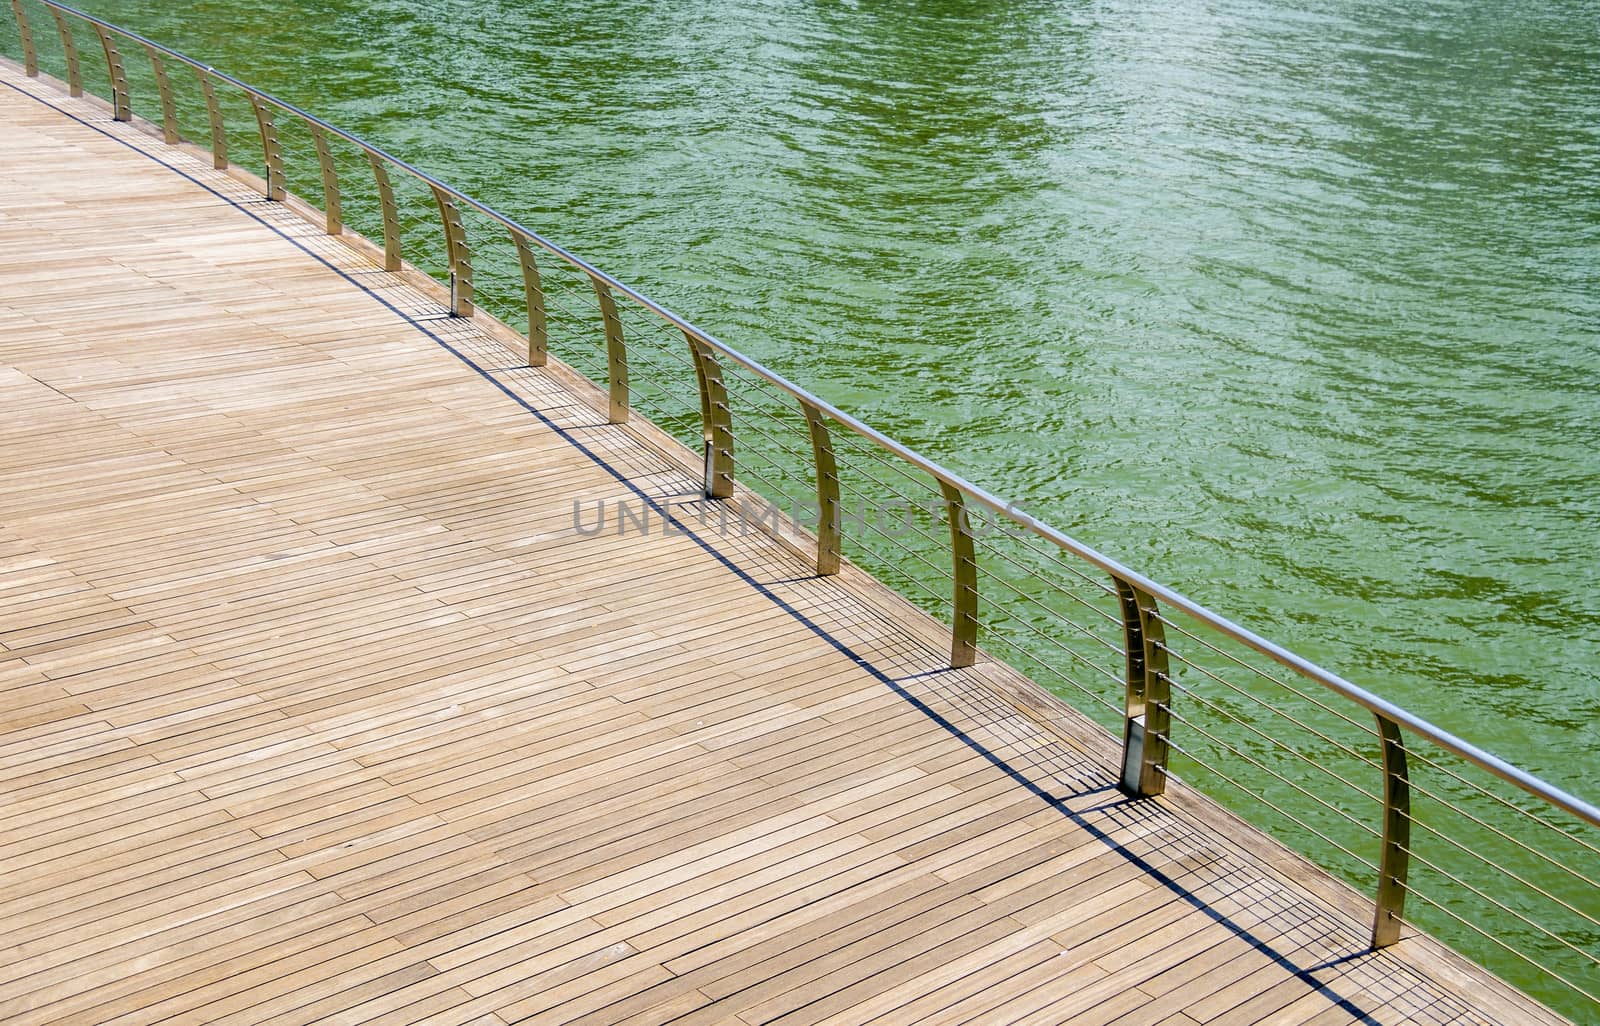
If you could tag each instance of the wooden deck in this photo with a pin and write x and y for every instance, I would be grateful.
(314, 708)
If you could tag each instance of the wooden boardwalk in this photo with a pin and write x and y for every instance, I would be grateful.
(314, 708)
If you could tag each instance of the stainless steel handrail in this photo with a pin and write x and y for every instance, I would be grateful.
(1145, 743)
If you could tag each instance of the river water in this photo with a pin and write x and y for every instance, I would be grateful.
(1295, 307)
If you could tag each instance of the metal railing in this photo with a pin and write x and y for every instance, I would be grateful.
(1190, 688)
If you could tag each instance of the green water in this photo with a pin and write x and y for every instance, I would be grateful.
(1295, 307)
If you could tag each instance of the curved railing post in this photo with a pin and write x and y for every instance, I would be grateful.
(121, 102)
(829, 517)
(616, 352)
(533, 293)
(716, 419)
(1146, 719)
(331, 207)
(219, 131)
(964, 611)
(391, 217)
(457, 253)
(69, 50)
(169, 109)
(270, 148)
(30, 55)
(1396, 856)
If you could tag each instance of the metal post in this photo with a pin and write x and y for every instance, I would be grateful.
(533, 293)
(456, 252)
(331, 206)
(616, 351)
(716, 419)
(30, 55)
(964, 611)
(219, 131)
(69, 50)
(828, 514)
(269, 147)
(1396, 855)
(391, 217)
(121, 103)
(169, 109)
(1147, 721)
